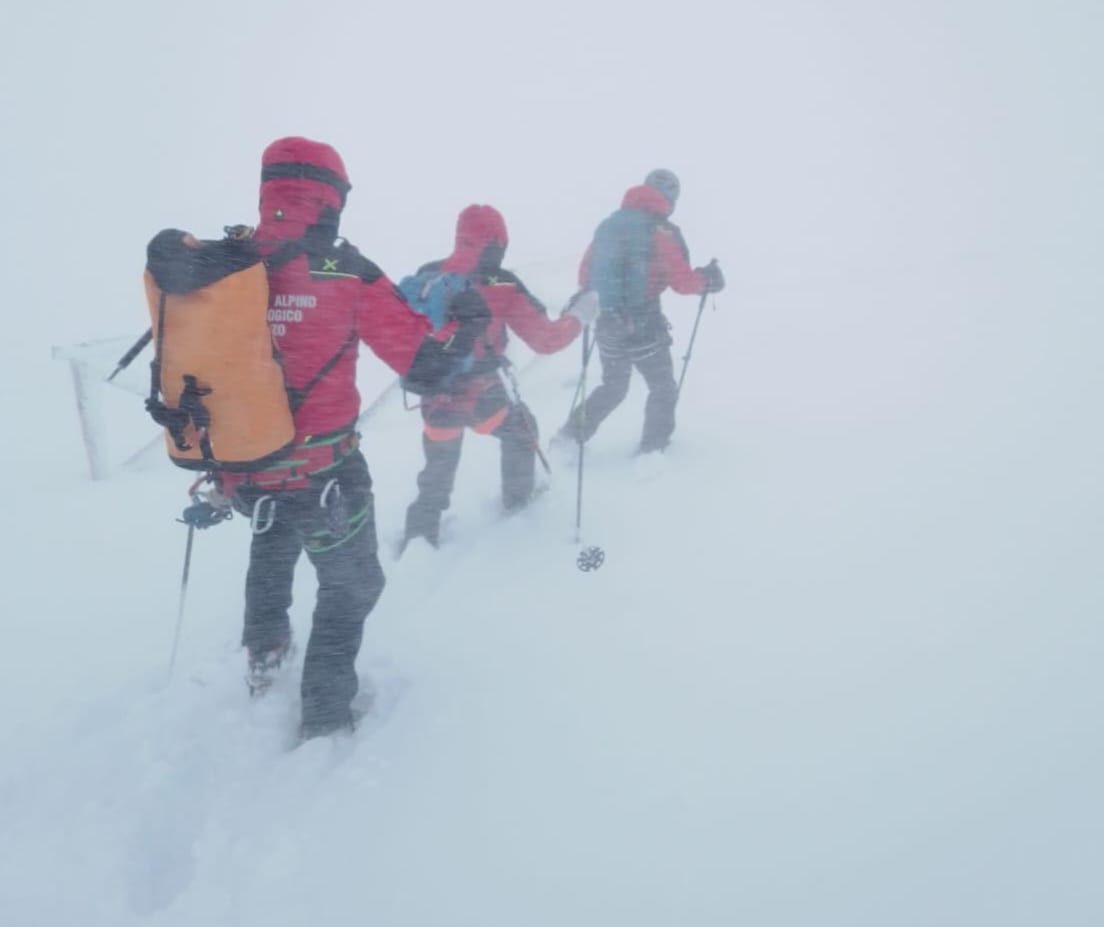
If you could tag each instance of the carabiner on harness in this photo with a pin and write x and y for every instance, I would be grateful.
(337, 511)
(332, 486)
(264, 514)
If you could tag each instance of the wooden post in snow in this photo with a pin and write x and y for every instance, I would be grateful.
(84, 382)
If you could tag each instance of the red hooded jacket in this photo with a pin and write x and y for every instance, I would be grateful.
(329, 298)
(669, 265)
(481, 241)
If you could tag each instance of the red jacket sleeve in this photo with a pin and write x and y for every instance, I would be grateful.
(674, 269)
(515, 307)
(387, 324)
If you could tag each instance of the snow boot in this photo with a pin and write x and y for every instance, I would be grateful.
(264, 665)
(311, 730)
(422, 521)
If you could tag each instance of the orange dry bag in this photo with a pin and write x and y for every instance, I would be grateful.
(216, 385)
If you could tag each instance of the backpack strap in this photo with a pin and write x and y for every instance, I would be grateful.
(191, 405)
(297, 396)
(285, 254)
(162, 414)
(190, 409)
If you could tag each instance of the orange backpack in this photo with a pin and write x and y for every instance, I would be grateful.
(216, 385)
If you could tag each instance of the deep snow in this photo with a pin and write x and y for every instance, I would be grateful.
(841, 666)
(821, 679)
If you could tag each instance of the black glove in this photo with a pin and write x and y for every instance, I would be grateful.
(471, 311)
(238, 232)
(714, 279)
(180, 263)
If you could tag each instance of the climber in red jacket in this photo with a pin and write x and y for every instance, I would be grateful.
(478, 398)
(325, 298)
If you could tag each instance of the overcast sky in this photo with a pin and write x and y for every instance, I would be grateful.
(807, 134)
(906, 197)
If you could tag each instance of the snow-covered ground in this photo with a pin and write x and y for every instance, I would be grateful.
(842, 663)
(841, 666)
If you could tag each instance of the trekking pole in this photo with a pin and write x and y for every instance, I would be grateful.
(202, 513)
(183, 593)
(135, 350)
(690, 347)
(592, 557)
(580, 428)
(580, 387)
(509, 382)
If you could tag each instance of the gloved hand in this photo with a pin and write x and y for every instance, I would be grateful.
(201, 514)
(214, 496)
(584, 306)
(238, 232)
(473, 315)
(714, 279)
(208, 508)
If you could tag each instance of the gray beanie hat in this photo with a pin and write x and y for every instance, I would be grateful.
(665, 182)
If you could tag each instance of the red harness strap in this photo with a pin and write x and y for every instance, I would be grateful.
(308, 458)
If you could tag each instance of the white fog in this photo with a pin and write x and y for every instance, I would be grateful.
(841, 665)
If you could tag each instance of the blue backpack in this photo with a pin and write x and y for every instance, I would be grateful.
(619, 259)
(431, 291)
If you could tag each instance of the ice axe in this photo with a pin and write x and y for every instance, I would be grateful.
(133, 352)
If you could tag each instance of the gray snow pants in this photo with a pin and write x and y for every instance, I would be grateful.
(340, 540)
(647, 347)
